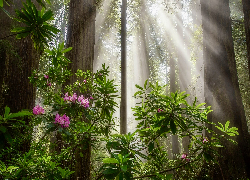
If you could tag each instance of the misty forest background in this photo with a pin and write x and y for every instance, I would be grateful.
(201, 47)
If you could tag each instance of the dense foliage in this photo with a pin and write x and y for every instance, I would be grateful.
(73, 114)
(84, 113)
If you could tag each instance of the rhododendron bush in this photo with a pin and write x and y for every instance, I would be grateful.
(84, 111)
(72, 115)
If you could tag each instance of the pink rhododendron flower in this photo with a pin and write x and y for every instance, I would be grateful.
(62, 120)
(46, 76)
(159, 110)
(84, 102)
(80, 98)
(48, 84)
(204, 140)
(66, 97)
(91, 97)
(70, 98)
(184, 157)
(84, 81)
(73, 98)
(38, 110)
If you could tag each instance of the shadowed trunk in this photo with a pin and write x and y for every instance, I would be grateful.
(18, 58)
(81, 36)
(246, 11)
(222, 88)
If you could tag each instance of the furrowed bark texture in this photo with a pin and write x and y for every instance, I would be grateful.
(246, 11)
(81, 36)
(222, 87)
(17, 60)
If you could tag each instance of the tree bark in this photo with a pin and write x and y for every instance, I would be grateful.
(81, 36)
(246, 11)
(222, 87)
(18, 58)
(123, 107)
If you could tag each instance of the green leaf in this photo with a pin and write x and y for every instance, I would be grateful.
(2, 166)
(172, 126)
(22, 35)
(48, 1)
(145, 84)
(199, 105)
(219, 128)
(47, 15)
(11, 168)
(7, 111)
(233, 130)
(110, 160)
(1, 3)
(67, 50)
(6, 12)
(18, 29)
(20, 114)
(3, 129)
(151, 146)
(227, 125)
(139, 87)
(124, 168)
(41, 3)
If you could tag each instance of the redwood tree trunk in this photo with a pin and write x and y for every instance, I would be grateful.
(81, 36)
(246, 11)
(17, 60)
(123, 107)
(222, 88)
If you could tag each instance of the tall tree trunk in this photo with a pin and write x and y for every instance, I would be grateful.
(81, 36)
(222, 87)
(175, 142)
(246, 11)
(123, 107)
(198, 55)
(17, 60)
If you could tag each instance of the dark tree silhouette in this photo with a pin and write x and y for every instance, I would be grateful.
(17, 60)
(222, 88)
(81, 36)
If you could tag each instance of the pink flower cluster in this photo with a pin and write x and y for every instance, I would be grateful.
(38, 110)
(62, 120)
(82, 101)
(184, 157)
(70, 98)
(159, 110)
